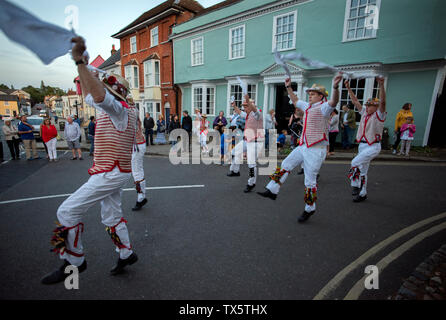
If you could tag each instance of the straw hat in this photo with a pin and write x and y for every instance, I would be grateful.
(319, 89)
(372, 102)
(117, 85)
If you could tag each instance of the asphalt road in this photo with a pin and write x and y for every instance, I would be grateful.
(215, 242)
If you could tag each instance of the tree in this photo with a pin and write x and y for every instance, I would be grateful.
(3, 86)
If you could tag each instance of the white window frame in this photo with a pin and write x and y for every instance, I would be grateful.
(157, 76)
(368, 91)
(192, 51)
(204, 88)
(129, 75)
(152, 44)
(131, 45)
(294, 30)
(147, 74)
(249, 82)
(231, 57)
(150, 76)
(346, 21)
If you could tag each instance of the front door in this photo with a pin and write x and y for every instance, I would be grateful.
(284, 109)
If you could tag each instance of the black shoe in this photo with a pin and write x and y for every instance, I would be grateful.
(139, 205)
(301, 171)
(355, 191)
(249, 188)
(305, 216)
(74, 158)
(81, 158)
(59, 275)
(268, 194)
(233, 174)
(359, 198)
(119, 267)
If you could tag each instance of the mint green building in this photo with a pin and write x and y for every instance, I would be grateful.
(404, 40)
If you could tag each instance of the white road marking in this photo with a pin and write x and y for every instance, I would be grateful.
(358, 288)
(128, 189)
(336, 281)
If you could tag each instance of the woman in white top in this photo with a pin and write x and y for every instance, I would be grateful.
(333, 131)
(270, 123)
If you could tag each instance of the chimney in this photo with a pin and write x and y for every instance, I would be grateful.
(113, 50)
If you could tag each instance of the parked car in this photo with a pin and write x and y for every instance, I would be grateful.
(36, 122)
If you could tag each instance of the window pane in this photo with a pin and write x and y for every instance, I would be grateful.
(359, 33)
(351, 34)
(362, 2)
(353, 13)
(361, 11)
(368, 32)
(361, 22)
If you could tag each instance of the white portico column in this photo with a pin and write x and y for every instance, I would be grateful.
(265, 100)
(300, 90)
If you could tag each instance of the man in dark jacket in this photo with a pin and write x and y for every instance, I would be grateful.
(91, 131)
(186, 124)
(148, 126)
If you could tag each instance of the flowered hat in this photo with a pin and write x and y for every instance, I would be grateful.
(372, 102)
(319, 89)
(116, 85)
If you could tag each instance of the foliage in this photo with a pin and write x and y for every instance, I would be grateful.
(38, 94)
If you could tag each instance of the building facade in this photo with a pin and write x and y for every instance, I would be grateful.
(398, 39)
(9, 105)
(147, 56)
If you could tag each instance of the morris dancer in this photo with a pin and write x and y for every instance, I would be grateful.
(115, 133)
(139, 149)
(312, 148)
(369, 137)
(252, 143)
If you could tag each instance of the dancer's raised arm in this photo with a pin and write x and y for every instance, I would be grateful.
(352, 95)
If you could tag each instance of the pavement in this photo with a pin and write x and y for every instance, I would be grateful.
(201, 237)
(437, 155)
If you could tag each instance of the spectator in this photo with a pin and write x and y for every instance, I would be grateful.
(407, 130)
(187, 125)
(220, 122)
(174, 124)
(401, 118)
(79, 122)
(27, 136)
(44, 145)
(333, 131)
(148, 128)
(56, 118)
(160, 130)
(72, 134)
(49, 137)
(295, 125)
(281, 140)
(91, 132)
(349, 126)
(270, 123)
(11, 134)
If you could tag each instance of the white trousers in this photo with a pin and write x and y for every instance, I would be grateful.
(51, 145)
(138, 169)
(105, 188)
(253, 150)
(366, 153)
(203, 136)
(311, 160)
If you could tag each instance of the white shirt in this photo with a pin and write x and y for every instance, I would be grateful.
(118, 114)
(345, 117)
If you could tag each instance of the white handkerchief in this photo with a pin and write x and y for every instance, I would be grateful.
(46, 40)
(243, 85)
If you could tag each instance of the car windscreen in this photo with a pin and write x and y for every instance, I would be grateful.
(35, 122)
